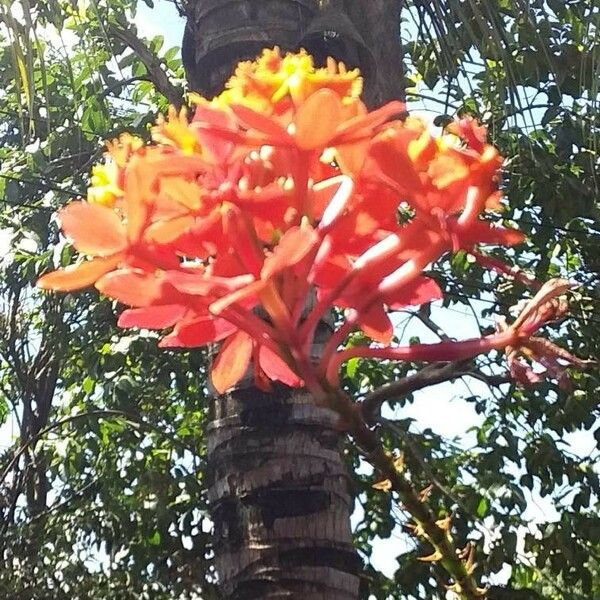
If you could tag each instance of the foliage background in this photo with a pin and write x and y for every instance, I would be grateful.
(102, 486)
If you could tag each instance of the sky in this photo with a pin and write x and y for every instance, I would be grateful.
(163, 20)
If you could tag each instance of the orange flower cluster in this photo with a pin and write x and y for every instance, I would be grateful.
(282, 197)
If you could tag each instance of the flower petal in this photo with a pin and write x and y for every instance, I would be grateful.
(377, 325)
(202, 285)
(135, 288)
(243, 294)
(94, 229)
(351, 157)
(152, 317)
(254, 120)
(167, 231)
(214, 146)
(198, 332)
(484, 232)
(420, 291)
(232, 362)
(295, 244)
(276, 369)
(317, 120)
(363, 124)
(78, 276)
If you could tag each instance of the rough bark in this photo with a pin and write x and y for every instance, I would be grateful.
(220, 33)
(378, 22)
(279, 495)
(277, 483)
(280, 500)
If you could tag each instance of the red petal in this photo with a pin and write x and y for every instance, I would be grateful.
(420, 291)
(377, 325)
(243, 294)
(214, 145)
(276, 369)
(232, 362)
(322, 194)
(94, 229)
(239, 232)
(483, 232)
(295, 244)
(201, 285)
(317, 120)
(198, 332)
(253, 120)
(135, 288)
(152, 317)
(361, 125)
(79, 276)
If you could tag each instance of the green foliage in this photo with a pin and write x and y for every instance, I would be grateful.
(527, 70)
(102, 493)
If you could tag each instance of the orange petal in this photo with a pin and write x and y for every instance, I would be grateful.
(351, 157)
(446, 170)
(94, 229)
(317, 120)
(135, 288)
(165, 232)
(232, 362)
(137, 187)
(79, 276)
(187, 193)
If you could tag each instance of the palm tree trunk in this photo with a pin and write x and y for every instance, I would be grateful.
(280, 502)
(279, 496)
(277, 483)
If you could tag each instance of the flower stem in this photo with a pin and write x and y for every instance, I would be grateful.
(426, 522)
(442, 352)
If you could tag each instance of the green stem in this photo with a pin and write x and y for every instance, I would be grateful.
(426, 521)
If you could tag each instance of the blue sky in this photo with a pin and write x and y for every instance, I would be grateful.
(163, 20)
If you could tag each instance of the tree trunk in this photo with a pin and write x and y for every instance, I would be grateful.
(277, 484)
(279, 495)
(365, 34)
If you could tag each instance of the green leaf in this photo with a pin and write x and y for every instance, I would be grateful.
(482, 508)
(154, 539)
(88, 385)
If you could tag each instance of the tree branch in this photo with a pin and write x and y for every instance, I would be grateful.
(431, 324)
(153, 65)
(427, 376)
